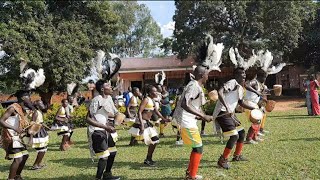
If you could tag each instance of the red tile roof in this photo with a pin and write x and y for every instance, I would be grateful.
(155, 64)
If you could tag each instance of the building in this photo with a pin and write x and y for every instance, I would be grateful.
(136, 72)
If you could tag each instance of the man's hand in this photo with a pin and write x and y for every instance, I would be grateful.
(18, 130)
(141, 129)
(207, 118)
(110, 129)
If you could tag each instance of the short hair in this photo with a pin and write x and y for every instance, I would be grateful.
(148, 89)
(63, 100)
(91, 81)
(134, 89)
(261, 73)
(21, 93)
(99, 85)
(236, 70)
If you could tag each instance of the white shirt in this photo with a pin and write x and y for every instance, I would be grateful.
(100, 107)
(231, 97)
(251, 96)
(194, 96)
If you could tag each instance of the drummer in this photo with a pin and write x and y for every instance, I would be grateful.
(254, 95)
(13, 121)
(40, 140)
(230, 95)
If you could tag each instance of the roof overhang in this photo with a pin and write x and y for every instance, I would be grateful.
(155, 70)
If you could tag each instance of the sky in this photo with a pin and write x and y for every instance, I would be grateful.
(162, 12)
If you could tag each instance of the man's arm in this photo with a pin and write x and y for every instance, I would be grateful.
(249, 85)
(5, 116)
(90, 120)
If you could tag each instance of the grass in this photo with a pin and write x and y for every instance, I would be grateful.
(290, 151)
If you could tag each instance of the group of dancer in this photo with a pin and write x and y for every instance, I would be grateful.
(144, 115)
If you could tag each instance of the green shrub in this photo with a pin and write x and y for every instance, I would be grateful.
(79, 115)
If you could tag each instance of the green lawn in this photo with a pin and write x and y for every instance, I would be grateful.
(290, 151)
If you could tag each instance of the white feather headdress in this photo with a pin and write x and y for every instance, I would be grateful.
(160, 77)
(239, 61)
(213, 53)
(265, 59)
(105, 67)
(31, 79)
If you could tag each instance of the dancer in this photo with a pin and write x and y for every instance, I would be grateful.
(165, 108)
(230, 95)
(188, 109)
(174, 122)
(314, 84)
(254, 94)
(62, 125)
(132, 112)
(13, 122)
(40, 140)
(143, 126)
(102, 133)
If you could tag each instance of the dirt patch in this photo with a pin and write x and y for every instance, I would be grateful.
(290, 104)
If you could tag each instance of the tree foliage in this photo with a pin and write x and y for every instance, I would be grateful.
(58, 36)
(308, 51)
(275, 25)
(140, 34)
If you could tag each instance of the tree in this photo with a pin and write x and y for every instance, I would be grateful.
(139, 32)
(248, 25)
(58, 36)
(308, 51)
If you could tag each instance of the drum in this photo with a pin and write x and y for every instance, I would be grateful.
(213, 95)
(256, 116)
(270, 105)
(262, 103)
(34, 129)
(120, 118)
(277, 89)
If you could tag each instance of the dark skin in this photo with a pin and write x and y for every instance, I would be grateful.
(240, 78)
(136, 94)
(105, 91)
(201, 76)
(18, 163)
(253, 86)
(143, 115)
(65, 104)
(40, 106)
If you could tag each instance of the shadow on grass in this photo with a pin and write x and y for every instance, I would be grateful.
(292, 115)
(77, 177)
(161, 164)
(75, 162)
(302, 139)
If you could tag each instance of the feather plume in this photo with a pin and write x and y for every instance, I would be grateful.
(70, 88)
(239, 61)
(276, 69)
(232, 56)
(23, 65)
(32, 79)
(212, 53)
(160, 77)
(96, 66)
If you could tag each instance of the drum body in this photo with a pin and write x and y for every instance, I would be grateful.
(277, 89)
(270, 105)
(256, 116)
